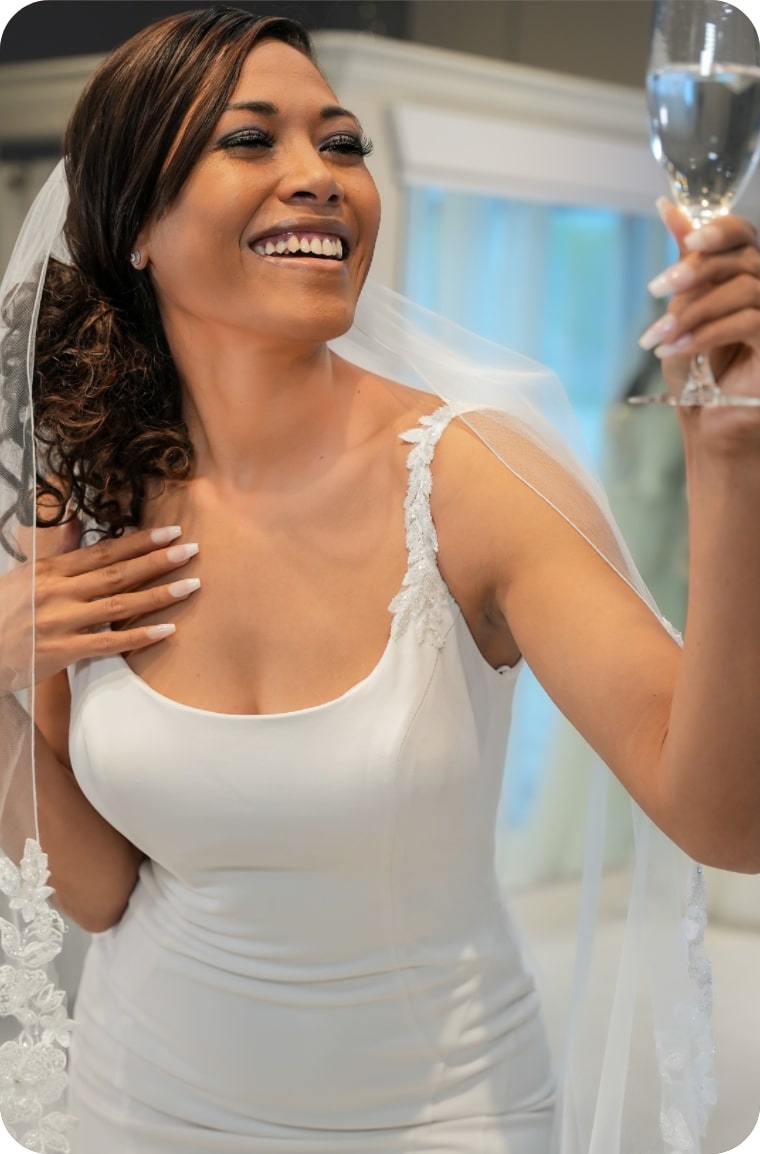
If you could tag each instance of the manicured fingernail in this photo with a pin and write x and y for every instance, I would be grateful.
(702, 239)
(657, 331)
(677, 347)
(156, 632)
(663, 204)
(179, 553)
(184, 588)
(678, 276)
(165, 534)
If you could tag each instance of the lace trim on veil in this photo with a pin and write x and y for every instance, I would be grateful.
(33, 1068)
(686, 1058)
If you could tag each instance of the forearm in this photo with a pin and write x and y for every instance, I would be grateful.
(711, 756)
(93, 867)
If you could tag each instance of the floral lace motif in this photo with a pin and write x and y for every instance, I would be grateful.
(423, 594)
(686, 1058)
(33, 1068)
(688, 1068)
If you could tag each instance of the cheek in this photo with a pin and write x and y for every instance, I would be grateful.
(194, 259)
(372, 210)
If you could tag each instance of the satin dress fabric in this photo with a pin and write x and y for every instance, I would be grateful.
(317, 957)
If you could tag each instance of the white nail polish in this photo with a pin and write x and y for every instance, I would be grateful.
(657, 331)
(165, 534)
(663, 204)
(660, 286)
(673, 279)
(156, 632)
(702, 239)
(179, 553)
(184, 588)
(678, 346)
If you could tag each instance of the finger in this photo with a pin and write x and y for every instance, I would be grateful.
(124, 606)
(675, 220)
(121, 641)
(740, 328)
(723, 232)
(696, 270)
(123, 576)
(698, 309)
(114, 550)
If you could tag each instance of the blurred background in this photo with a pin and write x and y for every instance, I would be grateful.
(512, 157)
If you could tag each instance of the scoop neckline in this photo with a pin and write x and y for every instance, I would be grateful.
(505, 674)
(352, 690)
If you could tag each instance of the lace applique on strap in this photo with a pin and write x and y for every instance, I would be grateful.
(32, 1069)
(423, 594)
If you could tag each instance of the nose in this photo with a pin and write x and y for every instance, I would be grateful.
(309, 178)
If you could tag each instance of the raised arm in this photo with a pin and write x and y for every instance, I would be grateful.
(680, 728)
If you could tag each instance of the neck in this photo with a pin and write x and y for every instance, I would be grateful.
(257, 413)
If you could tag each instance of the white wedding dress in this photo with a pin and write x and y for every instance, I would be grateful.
(317, 957)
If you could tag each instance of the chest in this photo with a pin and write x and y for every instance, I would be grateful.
(293, 604)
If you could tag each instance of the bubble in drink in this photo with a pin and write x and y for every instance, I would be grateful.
(705, 132)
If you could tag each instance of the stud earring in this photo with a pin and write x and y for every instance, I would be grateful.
(135, 257)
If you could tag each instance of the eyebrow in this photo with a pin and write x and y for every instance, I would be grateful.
(266, 108)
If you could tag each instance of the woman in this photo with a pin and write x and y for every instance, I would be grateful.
(276, 818)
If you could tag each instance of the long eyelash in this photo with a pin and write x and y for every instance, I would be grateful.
(248, 137)
(347, 143)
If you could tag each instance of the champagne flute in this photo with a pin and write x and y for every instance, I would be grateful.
(703, 93)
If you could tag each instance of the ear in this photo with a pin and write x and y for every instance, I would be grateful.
(141, 245)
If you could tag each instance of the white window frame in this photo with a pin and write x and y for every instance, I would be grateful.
(436, 117)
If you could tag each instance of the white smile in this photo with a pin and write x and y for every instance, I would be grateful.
(296, 244)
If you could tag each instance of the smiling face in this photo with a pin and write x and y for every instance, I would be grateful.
(272, 233)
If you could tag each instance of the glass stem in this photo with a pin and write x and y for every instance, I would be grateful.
(701, 387)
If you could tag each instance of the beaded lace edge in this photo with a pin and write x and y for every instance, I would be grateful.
(686, 1052)
(33, 1075)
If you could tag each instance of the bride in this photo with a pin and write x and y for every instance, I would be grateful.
(272, 701)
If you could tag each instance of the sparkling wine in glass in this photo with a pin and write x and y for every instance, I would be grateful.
(703, 93)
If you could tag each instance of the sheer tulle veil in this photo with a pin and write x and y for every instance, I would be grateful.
(656, 1012)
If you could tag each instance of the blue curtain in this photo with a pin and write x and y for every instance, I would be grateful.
(565, 285)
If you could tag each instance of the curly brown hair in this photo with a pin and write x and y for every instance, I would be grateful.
(106, 392)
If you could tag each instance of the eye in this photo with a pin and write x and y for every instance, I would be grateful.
(247, 138)
(348, 144)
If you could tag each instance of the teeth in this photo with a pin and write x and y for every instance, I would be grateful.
(313, 246)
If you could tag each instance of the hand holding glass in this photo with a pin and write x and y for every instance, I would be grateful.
(703, 92)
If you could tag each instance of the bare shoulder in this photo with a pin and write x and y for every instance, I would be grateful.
(515, 497)
(480, 499)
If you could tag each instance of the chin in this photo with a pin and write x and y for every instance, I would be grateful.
(322, 320)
